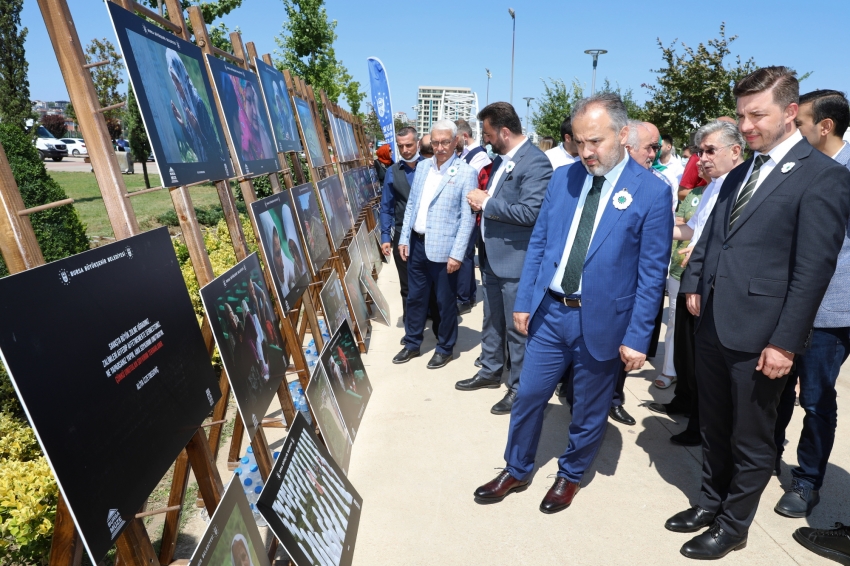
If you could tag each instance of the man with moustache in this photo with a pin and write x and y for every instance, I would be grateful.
(755, 280)
(590, 288)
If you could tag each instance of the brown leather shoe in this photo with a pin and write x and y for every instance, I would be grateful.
(499, 488)
(560, 496)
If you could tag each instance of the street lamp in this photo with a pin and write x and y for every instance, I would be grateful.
(595, 53)
(513, 45)
(528, 100)
(489, 76)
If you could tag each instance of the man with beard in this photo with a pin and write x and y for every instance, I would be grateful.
(590, 288)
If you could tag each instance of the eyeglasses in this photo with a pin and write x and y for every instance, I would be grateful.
(440, 143)
(712, 150)
(654, 147)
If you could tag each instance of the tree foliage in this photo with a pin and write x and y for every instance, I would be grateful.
(107, 81)
(371, 124)
(140, 147)
(15, 105)
(55, 124)
(694, 86)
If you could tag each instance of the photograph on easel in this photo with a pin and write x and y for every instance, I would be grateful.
(306, 207)
(380, 306)
(361, 237)
(175, 99)
(232, 537)
(276, 95)
(352, 191)
(355, 294)
(247, 332)
(329, 418)
(335, 209)
(245, 117)
(311, 136)
(308, 502)
(281, 246)
(343, 365)
(364, 185)
(107, 357)
(333, 303)
(376, 184)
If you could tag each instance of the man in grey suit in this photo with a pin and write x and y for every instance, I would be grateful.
(755, 280)
(510, 206)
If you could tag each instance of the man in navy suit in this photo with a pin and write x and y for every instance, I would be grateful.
(593, 278)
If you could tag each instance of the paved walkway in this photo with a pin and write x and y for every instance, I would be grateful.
(423, 448)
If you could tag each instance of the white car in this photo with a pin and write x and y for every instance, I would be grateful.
(76, 146)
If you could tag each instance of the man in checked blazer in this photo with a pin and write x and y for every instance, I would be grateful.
(509, 208)
(434, 237)
(755, 280)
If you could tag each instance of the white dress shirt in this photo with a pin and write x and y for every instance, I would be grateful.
(777, 154)
(706, 205)
(559, 157)
(497, 175)
(480, 160)
(432, 182)
(611, 179)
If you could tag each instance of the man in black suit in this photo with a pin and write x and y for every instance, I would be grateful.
(756, 279)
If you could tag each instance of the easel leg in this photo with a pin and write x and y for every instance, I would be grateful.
(170, 529)
(134, 546)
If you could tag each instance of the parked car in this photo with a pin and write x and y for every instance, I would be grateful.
(76, 146)
(49, 146)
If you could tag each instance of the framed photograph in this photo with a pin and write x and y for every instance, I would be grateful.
(311, 135)
(245, 117)
(364, 185)
(381, 309)
(232, 536)
(352, 191)
(343, 365)
(335, 209)
(175, 99)
(247, 332)
(308, 502)
(276, 96)
(333, 303)
(107, 357)
(321, 397)
(281, 245)
(306, 207)
(355, 296)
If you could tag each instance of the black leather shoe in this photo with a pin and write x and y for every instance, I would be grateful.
(829, 543)
(620, 415)
(559, 496)
(463, 308)
(405, 356)
(687, 438)
(668, 409)
(438, 360)
(498, 488)
(477, 382)
(402, 341)
(712, 544)
(798, 501)
(690, 521)
(478, 362)
(504, 406)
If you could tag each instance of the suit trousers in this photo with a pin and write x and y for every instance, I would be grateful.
(555, 342)
(423, 278)
(738, 414)
(685, 363)
(498, 327)
(401, 267)
(466, 286)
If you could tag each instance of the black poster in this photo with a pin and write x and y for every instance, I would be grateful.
(245, 117)
(344, 367)
(335, 209)
(232, 537)
(306, 207)
(281, 245)
(108, 360)
(279, 105)
(309, 504)
(324, 404)
(174, 95)
(247, 332)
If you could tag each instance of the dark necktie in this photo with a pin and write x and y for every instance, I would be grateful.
(496, 164)
(747, 192)
(578, 253)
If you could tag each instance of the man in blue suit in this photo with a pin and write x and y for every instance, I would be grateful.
(589, 292)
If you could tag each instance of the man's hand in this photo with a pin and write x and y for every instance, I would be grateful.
(386, 248)
(476, 199)
(687, 253)
(453, 265)
(775, 362)
(694, 301)
(521, 322)
(402, 251)
(632, 358)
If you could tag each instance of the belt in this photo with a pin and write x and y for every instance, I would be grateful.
(573, 302)
(418, 235)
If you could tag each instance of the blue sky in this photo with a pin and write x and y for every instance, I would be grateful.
(449, 43)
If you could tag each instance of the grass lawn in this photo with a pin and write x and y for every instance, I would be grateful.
(83, 188)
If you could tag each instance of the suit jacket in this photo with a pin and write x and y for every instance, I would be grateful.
(450, 219)
(770, 272)
(512, 210)
(626, 265)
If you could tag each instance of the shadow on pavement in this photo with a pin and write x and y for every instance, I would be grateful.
(677, 465)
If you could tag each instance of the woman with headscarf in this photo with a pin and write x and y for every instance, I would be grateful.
(281, 263)
(383, 161)
(239, 553)
(255, 143)
(292, 242)
(192, 114)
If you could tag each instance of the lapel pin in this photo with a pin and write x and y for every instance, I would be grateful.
(510, 166)
(788, 166)
(622, 199)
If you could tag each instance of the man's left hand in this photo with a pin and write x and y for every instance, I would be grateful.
(453, 265)
(775, 362)
(476, 199)
(632, 358)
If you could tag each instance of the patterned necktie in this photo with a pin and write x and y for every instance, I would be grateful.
(747, 192)
(578, 253)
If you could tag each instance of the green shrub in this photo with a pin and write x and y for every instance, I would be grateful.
(207, 216)
(17, 440)
(9, 403)
(59, 231)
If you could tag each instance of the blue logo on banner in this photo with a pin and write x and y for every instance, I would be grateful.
(381, 101)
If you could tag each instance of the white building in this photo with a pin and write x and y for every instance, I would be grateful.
(453, 103)
(401, 117)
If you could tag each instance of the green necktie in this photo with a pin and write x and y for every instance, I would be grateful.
(578, 253)
(747, 192)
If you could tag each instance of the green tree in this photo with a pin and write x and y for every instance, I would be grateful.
(371, 124)
(695, 86)
(140, 147)
(107, 80)
(55, 124)
(15, 105)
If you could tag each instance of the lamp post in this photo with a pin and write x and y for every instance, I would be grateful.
(595, 53)
(489, 76)
(528, 100)
(513, 45)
